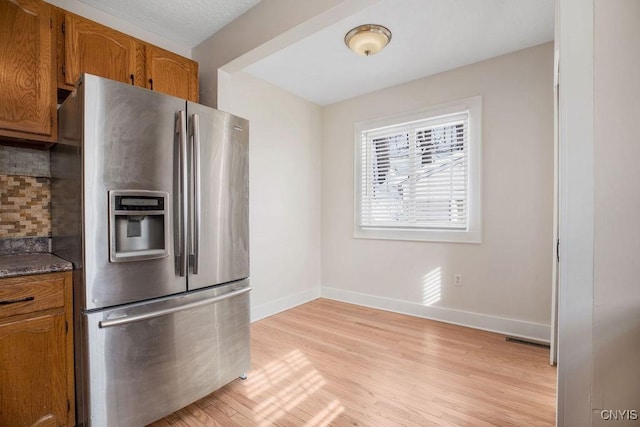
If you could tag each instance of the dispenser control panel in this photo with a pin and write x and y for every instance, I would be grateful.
(140, 203)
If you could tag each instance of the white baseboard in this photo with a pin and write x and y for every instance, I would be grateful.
(281, 304)
(501, 325)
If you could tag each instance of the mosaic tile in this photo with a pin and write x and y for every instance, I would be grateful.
(25, 206)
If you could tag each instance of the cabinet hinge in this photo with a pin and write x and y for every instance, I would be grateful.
(66, 327)
(51, 23)
(51, 121)
(63, 28)
(558, 250)
(68, 406)
(64, 70)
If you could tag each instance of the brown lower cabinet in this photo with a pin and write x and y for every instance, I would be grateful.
(36, 351)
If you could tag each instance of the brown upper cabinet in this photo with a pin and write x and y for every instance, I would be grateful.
(27, 71)
(86, 46)
(172, 74)
(36, 39)
(95, 49)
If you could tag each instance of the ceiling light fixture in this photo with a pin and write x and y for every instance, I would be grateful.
(367, 39)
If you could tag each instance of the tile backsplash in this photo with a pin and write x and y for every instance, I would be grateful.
(25, 196)
(24, 162)
(24, 206)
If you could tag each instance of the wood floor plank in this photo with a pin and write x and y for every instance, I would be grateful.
(330, 363)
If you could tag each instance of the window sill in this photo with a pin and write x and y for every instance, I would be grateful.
(442, 236)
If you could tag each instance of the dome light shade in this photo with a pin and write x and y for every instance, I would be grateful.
(367, 39)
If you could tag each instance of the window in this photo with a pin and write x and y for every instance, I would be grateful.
(418, 175)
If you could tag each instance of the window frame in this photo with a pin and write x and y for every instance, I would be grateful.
(473, 232)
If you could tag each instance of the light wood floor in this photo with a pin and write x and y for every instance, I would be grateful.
(330, 363)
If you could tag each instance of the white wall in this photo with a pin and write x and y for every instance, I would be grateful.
(285, 145)
(616, 314)
(121, 25)
(598, 366)
(575, 282)
(506, 279)
(284, 174)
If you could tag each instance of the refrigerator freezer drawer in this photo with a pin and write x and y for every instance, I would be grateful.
(145, 361)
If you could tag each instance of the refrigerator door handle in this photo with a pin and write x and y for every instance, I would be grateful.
(158, 313)
(182, 193)
(197, 214)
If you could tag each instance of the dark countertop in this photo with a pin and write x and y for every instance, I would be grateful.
(33, 263)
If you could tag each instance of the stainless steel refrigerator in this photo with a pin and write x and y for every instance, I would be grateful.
(150, 202)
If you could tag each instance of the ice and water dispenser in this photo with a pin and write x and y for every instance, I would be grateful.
(138, 225)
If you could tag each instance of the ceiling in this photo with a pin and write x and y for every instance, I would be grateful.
(186, 22)
(429, 37)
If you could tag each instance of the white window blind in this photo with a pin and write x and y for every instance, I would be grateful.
(417, 173)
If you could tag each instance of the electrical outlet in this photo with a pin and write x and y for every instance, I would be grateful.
(457, 279)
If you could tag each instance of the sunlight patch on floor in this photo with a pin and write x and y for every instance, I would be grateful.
(328, 414)
(277, 371)
(285, 383)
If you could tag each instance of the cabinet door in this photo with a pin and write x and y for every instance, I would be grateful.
(27, 72)
(36, 351)
(33, 361)
(99, 50)
(172, 74)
